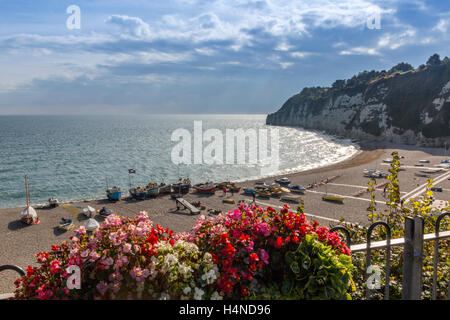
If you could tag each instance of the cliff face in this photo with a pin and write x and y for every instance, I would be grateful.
(411, 107)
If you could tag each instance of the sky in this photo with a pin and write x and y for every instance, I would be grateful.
(201, 56)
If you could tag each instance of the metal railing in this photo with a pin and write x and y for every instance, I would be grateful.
(19, 270)
(412, 282)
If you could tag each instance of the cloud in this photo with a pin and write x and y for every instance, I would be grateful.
(133, 26)
(360, 51)
(442, 25)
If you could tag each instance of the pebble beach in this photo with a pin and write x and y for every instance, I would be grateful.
(19, 242)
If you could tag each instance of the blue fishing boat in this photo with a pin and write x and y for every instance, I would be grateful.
(249, 191)
(114, 193)
(139, 193)
(297, 188)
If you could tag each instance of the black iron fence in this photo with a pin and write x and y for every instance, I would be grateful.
(412, 282)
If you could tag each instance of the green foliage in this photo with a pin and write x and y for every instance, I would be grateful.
(395, 215)
(401, 67)
(312, 271)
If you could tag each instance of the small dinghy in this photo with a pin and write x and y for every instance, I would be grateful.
(330, 198)
(66, 224)
(283, 181)
(53, 202)
(249, 191)
(297, 189)
(91, 224)
(89, 212)
(290, 198)
(104, 212)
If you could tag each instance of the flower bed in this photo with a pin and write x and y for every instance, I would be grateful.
(248, 253)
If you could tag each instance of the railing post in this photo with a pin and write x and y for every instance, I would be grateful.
(413, 259)
(408, 258)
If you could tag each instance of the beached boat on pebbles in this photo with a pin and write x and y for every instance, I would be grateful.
(297, 189)
(139, 193)
(183, 186)
(207, 187)
(283, 181)
(331, 198)
(53, 202)
(114, 193)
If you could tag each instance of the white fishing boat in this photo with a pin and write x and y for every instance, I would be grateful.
(28, 215)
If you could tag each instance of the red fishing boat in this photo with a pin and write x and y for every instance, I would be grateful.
(207, 187)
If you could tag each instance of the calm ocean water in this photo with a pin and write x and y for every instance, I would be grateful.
(74, 157)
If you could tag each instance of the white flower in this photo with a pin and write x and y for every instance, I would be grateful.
(187, 290)
(207, 257)
(216, 296)
(184, 270)
(198, 294)
(170, 259)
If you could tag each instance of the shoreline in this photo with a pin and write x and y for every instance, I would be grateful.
(246, 180)
(19, 242)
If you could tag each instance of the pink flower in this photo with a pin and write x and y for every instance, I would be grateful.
(139, 274)
(264, 256)
(102, 287)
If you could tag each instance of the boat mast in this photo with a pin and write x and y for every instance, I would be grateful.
(27, 196)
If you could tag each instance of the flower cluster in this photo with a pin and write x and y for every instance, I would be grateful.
(231, 256)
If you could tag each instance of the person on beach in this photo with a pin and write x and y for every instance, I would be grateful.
(254, 197)
(224, 191)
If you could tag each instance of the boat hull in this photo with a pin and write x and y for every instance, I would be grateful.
(114, 195)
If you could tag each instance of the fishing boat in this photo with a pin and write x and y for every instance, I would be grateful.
(297, 189)
(152, 189)
(139, 193)
(331, 198)
(182, 186)
(283, 181)
(28, 215)
(424, 161)
(275, 193)
(221, 185)
(445, 161)
(249, 191)
(207, 187)
(264, 194)
(164, 188)
(234, 188)
(114, 193)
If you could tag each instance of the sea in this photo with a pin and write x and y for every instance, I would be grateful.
(76, 157)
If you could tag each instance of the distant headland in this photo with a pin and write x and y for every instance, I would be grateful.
(402, 105)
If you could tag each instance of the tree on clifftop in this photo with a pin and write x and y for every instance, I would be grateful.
(434, 60)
